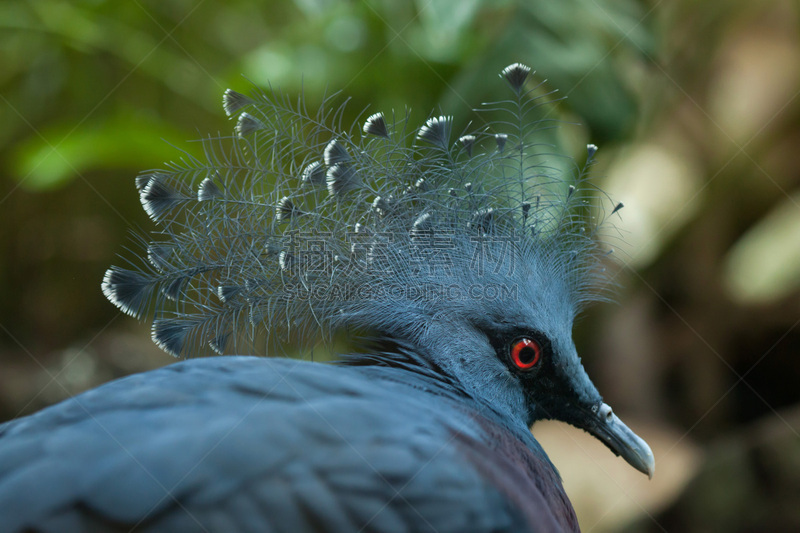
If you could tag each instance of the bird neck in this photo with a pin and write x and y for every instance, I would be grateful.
(395, 360)
(503, 449)
(385, 353)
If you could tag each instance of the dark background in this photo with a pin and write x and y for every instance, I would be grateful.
(695, 108)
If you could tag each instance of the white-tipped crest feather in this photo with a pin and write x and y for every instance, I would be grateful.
(267, 246)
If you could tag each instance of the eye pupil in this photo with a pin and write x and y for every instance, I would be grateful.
(525, 353)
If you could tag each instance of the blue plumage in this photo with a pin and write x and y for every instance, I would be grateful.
(294, 220)
(297, 443)
(465, 261)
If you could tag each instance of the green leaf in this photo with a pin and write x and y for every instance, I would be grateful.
(126, 141)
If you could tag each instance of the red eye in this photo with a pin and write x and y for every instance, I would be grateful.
(525, 353)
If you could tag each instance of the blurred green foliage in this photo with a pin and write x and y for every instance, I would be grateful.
(83, 80)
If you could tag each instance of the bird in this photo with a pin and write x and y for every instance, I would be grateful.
(454, 265)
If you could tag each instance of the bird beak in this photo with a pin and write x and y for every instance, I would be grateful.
(608, 428)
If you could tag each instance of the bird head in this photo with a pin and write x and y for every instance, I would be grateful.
(501, 323)
(477, 252)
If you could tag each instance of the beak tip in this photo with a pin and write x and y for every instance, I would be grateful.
(624, 442)
(641, 457)
(650, 464)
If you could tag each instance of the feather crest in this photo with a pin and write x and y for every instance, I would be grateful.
(312, 228)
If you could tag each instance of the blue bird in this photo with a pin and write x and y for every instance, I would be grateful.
(458, 266)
